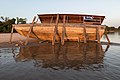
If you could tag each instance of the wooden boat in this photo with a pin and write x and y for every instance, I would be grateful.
(64, 27)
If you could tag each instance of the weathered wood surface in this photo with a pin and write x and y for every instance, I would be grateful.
(30, 30)
(55, 30)
(11, 35)
(98, 34)
(55, 27)
(107, 37)
(63, 30)
(72, 18)
(84, 34)
(45, 31)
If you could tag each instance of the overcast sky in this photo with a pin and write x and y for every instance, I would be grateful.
(29, 8)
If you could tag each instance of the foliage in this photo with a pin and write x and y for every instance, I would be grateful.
(119, 28)
(6, 23)
(21, 20)
(4, 18)
(110, 28)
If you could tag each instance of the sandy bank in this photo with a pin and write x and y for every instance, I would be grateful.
(16, 39)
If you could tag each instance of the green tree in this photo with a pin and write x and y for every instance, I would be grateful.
(4, 18)
(111, 28)
(21, 20)
(6, 25)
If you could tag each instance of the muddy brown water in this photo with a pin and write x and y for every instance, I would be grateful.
(73, 61)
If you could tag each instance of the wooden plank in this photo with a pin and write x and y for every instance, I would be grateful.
(55, 30)
(107, 37)
(34, 32)
(78, 39)
(45, 18)
(82, 25)
(30, 30)
(75, 25)
(37, 20)
(63, 29)
(51, 19)
(98, 34)
(11, 34)
(35, 35)
(84, 33)
(67, 19)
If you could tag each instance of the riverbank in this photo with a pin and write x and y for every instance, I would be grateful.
(17, 40)
(72, 61)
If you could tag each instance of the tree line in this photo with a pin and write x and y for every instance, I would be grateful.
(6, 23)
(109, 29)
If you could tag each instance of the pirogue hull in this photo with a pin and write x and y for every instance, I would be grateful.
(73, 32)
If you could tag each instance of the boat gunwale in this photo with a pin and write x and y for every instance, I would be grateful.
(60, 25)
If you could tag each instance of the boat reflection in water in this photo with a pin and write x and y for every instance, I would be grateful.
(69, 56)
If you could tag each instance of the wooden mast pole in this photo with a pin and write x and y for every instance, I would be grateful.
(84, 31)
(51, 19)
(30, 30)
(98, 34)
(55, 29)
(79, 36)
(63, 29)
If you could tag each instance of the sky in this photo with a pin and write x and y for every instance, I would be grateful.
(30, 8)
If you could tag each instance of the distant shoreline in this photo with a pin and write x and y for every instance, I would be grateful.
(113, 31)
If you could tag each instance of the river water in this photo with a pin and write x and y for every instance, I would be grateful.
(73, 61)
